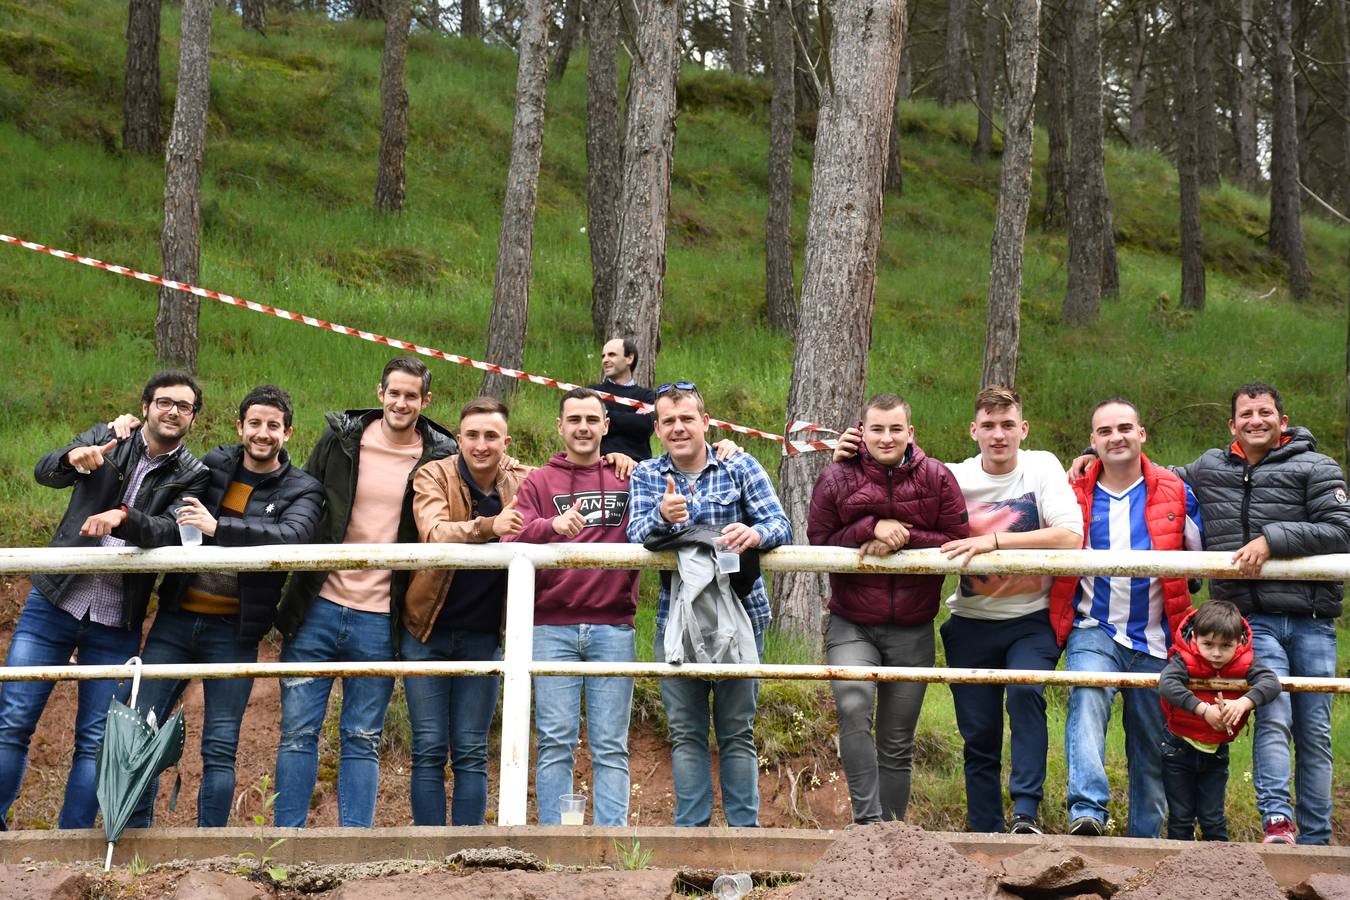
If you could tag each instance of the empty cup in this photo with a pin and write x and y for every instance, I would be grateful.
(189, 535)
(572, 809)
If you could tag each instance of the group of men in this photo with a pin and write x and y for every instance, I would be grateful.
(390, 474)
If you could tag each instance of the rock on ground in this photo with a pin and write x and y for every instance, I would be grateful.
(218, 886)
(1209, 872)
(1056, 871)
(21, 882)
(1322, 887)
(644, 884)
(895, 861)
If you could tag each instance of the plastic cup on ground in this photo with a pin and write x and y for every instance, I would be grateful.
(732, 887)
(189, 535)
(572, 809)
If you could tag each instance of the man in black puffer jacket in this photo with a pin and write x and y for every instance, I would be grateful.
(1270, 494)
(256, 497)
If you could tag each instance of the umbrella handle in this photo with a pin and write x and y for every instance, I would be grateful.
(107, 863)
(135, 689)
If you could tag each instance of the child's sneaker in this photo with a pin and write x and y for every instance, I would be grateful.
(1279, 830)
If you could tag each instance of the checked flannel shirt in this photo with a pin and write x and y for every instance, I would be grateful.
(735, 490)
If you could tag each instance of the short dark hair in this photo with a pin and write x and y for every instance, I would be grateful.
(629, 349)
(1218, 619)
(172, 378)
(1114, 401)
(268, 395)
(676, 394)
(886, 401)
(582, 393)
(1254, 389)
(412, 366)
(996, 397)
(484, 406)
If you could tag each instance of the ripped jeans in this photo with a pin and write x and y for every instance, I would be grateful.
(333, 633)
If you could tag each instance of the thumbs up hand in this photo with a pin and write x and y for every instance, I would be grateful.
(674, 508)
(86, 459)
(570, 523)
(508, 521)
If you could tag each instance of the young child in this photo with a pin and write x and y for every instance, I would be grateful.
(1213, 641)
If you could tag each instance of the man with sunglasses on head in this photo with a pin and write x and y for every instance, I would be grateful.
(686, 486)
(127, 483)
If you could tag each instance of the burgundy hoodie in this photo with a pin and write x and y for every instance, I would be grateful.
(578, 596)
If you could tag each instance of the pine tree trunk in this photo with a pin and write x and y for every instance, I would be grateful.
(989, 69)
(895, 173)
(1286, 216)
(779, 291)
(390, 185)
(1054, 16)
(740, 44)
(1143, 20)
(142, 128)
(648, 154)
(1342, 12)
(829, 366)
(808, 48)
(470, 19)
(370, 9)
(1188, 163)
(604, 156)
(567, 40)
(954, 60)
(1206, 102)
(1244, 103)
(1003, 318)
(904, 85)
(180, 242)
(511, 289)
(255, 15)
(1087, 226)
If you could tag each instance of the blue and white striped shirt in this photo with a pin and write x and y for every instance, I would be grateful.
(1129, 609)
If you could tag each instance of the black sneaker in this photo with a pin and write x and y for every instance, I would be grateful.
(1024, 824)
(1086, 826)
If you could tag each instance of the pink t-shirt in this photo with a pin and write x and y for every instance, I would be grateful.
(381, 481)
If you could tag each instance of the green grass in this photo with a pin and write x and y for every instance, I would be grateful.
(287, 190)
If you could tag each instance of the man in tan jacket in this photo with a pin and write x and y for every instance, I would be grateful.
(466, 498)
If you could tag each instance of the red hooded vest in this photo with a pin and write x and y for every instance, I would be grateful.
(1190, 725)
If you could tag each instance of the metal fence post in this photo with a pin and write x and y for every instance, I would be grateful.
(518, 652)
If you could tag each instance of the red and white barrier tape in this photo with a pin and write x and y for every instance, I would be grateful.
(791, 448)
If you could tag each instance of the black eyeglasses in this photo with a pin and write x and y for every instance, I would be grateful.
(185, 407)
(676, 386)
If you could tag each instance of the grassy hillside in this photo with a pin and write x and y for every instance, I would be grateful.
(287, 221)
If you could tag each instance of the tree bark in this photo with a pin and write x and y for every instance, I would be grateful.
(390, 187)
(470, 19)
(255, 15)
(1003, 317)
(779, 291)
(1054, 15)
(1188, 20)
(1206, 103)
(829, 367)
(370, 9)
(1087, 225)
(1143, 22)
(567, 40)
(808, 47)
(142, 128)
(1286, 216)
(180, 241)
(1342, 12)
(511, 289)
(1244, 103)
(895, 175)
(648, 154)
(984, 92)
(954, 59)
(740, 43)
(604, 156)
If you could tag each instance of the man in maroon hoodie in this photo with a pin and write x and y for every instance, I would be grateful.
(888, 497)
(581, 615)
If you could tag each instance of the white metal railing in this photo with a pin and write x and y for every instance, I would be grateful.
(522, 560)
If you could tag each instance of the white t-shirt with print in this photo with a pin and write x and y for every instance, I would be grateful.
(1034, 495)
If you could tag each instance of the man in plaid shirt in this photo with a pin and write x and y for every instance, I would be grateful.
(686, 486)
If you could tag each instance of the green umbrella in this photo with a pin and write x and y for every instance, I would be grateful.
(134, 751)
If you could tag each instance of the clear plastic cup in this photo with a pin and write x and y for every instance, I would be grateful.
(189, 535)
(732, 887)
(728, 561)
(572, 809)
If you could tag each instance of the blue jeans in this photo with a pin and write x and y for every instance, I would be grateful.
(184, 637)
(1093, 650)
(46, 636)
(333, 633)
(734, 701)
(557, 718)
(1301, 646)
(450, 718)
(1196, 784)
(1026, 642)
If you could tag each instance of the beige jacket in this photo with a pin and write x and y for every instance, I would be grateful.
(443, 512)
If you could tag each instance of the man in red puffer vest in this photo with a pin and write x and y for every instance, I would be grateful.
(1121, 624)
(891, 496)
(1212, 642)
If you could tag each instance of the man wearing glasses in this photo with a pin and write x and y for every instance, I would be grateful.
(127, 484)
(686, 486)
